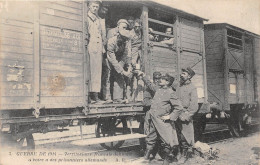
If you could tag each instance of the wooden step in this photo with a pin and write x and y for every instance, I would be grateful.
(107, 139)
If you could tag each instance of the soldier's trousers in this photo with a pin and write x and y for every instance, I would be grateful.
(106, 76)
(119, 84)
(185, 131)
(156, 143)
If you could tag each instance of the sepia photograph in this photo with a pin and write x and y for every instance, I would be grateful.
(148, 82)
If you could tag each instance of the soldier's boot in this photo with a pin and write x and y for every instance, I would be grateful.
(167, 160)
(147, 154)
(96, 99)
(183, 157)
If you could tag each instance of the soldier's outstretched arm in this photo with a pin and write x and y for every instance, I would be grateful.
(176, 106)
(149, 84)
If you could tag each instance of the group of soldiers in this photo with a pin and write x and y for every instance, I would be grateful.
(116, 54)
(168, 121)
(112, 56)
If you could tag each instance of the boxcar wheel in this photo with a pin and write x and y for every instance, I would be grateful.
(111, 127)
(26, 143)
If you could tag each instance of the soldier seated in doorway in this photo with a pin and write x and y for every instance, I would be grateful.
(168, 40)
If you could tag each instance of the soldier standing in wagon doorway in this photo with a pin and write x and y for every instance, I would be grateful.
(95, 36)
(189, 100)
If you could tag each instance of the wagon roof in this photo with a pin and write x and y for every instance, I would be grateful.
(226, 25)
(154, 4)
(171, 9)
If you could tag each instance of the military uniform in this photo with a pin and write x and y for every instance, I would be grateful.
(119, 57)
(189, 99)
(165, 102)
(95, 50)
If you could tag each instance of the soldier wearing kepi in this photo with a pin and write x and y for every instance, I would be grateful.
(95, 38)
(165, 108)
(119, 56)
(147, 99)
(189, 100)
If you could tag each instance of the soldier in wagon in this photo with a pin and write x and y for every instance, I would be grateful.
(95, 37)
(165, 108)
(189, 100)
(168, 40)
(136, 46)
(119, 56)
(106, 77)
(120, 25)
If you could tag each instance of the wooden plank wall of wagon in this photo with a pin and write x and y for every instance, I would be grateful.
(214, 59)
(61, 54)
(191, 38)
(163, 59)
(257, 67)
(191, 56)
(16, 56)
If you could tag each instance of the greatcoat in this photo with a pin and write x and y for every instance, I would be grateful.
(189, 100)
(97, 33)
(165, 102)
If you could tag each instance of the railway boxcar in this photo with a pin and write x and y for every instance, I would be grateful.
(232, 56)
(44, 64)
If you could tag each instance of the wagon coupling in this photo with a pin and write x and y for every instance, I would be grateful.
(36, 111)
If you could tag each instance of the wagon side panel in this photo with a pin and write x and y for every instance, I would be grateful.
(16, 56)
(191, 34)
(214, 57)
(61, 54)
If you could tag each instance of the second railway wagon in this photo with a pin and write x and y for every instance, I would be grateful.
(44, 73)
(232, 56)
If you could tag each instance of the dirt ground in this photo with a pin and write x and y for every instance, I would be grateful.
(238, 151)
(54, 150)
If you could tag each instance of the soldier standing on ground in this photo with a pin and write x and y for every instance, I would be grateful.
(189, 100)
(148, 96)
(165, 108)
(95, 38)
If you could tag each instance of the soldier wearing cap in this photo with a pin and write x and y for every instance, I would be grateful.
(189, 100)
(122, 24)
(168, 40)
(95, 43)
(119, 57)
(147, 99)
(165, 108)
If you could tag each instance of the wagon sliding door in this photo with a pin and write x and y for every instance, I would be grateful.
(61, 54)
(192, 53)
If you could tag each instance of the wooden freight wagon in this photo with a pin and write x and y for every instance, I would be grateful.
(44, 64)
(232, 56)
